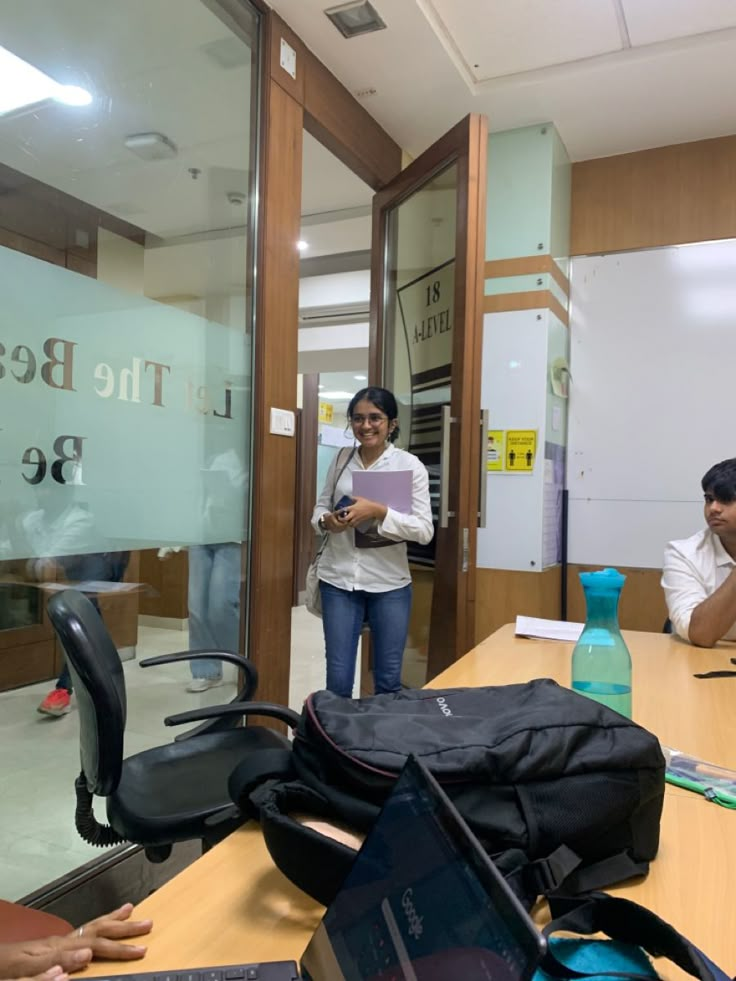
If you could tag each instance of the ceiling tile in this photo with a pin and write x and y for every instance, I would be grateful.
(650, 21)
(506, 37)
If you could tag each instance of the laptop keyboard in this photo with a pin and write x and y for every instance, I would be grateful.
(266, 971)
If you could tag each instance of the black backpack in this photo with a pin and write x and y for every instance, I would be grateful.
(563, 793)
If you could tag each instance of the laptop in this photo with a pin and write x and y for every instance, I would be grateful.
(422, 902)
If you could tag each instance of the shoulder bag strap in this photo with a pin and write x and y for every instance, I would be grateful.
(325, 535)
(626, 921)
(340, 472)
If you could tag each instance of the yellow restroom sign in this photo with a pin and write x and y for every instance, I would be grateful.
(521, 448)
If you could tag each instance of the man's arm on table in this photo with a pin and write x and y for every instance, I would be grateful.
(696, 616)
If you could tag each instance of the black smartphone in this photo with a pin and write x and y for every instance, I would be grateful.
(344, 502)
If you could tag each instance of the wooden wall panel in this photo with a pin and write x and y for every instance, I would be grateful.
(274, 473)
(642, 605)
(332, 116)
(38, 663)
(666, 196)
(168, 579)
(530, 300)
(502, 594)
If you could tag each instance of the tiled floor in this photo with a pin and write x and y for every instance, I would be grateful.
(39, 756)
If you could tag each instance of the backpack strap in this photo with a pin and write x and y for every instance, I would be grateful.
(597, 875)
(314, 862)
(531, 879)
(626, 921)
(256, 769)
(563, 873)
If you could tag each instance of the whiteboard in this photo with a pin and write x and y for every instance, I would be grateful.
(652, 397)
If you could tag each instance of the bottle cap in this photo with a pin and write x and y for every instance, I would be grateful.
(602, 579)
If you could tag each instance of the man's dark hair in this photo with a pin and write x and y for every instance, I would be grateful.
(720, 481)
(383, 400)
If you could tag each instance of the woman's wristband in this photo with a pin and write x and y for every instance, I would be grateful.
(321, 522)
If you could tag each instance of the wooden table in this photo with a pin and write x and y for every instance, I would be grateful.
(233, 904)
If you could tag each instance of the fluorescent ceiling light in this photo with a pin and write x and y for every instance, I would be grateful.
(302, 245)
(23, 85)
(360, 378)
(337, 395)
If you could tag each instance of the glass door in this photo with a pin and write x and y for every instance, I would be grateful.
(426, 332)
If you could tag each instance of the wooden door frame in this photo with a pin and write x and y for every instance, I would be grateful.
(465, 145)
(317, 102)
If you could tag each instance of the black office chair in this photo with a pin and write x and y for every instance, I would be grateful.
(175, 792)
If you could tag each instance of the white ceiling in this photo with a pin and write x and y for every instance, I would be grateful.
(612, 75)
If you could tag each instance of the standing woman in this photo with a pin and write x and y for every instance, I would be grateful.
(370, 583)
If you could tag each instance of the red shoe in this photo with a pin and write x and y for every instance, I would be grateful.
(57, 702)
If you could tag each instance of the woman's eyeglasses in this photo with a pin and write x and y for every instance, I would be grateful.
(375, 419)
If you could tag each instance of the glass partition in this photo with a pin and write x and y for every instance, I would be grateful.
(128, 138)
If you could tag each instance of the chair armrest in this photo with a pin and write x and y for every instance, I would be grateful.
(270, 709)
(242, 663)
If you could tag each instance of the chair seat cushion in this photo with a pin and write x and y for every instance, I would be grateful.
(167, 793)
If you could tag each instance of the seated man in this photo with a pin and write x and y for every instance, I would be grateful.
(699, 573)
(54, 958)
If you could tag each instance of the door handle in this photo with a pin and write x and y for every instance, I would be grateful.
(483, 490)
(445, 513)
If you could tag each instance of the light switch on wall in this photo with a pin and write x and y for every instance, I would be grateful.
(282, 422)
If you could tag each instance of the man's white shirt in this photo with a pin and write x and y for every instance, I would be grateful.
(693, 570)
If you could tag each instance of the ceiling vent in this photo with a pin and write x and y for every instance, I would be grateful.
(151, 146)
(358, 17)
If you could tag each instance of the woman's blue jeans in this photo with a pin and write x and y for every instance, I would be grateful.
(343, 614)
(214, 604)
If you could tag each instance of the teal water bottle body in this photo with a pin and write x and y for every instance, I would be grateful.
(601, 662)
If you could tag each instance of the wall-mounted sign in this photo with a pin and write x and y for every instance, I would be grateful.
(325, 412)
(494, 450)
(521, 448)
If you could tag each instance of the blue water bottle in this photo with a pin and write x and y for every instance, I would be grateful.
(601, 663)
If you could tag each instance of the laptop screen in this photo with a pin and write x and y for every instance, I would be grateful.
(422, 901)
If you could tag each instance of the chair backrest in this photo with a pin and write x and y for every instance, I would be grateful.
(99, 684)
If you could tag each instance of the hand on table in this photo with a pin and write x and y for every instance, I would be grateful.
(53, 974)
(54, 957)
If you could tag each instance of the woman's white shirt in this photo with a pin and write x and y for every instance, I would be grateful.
(374, 570)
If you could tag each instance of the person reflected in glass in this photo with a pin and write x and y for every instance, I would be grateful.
(95, 567)
(364, 571)
(214, 571)
(61, 534)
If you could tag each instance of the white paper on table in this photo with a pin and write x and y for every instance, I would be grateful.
(548, 629)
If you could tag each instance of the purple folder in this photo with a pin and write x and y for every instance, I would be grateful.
(390, 487)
